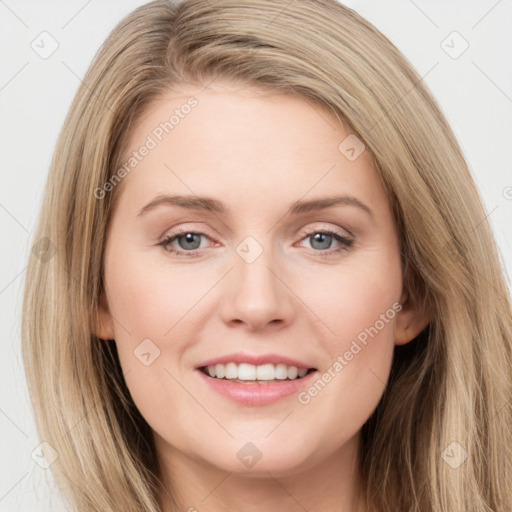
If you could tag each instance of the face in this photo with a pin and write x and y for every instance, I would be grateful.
(224, 257)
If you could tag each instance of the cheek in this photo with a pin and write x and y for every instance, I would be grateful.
(359, 304)
(355, 298)
(158, 309)
(149, 299)
(154, 325)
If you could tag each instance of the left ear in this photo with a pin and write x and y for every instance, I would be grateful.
(410, 320)
(103, 325)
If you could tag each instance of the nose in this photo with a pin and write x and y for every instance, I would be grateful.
(256, 295)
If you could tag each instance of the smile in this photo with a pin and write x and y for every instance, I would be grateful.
(255, 380)
(245, 372)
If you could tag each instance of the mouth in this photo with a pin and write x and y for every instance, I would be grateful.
(256, 385)
(245, 373)
(255, 379)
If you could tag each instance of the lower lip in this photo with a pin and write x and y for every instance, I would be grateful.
(254, 393)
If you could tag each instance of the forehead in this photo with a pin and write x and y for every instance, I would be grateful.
(243, 116)
(242, 139)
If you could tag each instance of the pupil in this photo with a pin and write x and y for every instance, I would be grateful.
(187, 239)
(321, 237)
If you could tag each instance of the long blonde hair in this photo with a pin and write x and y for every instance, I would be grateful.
(452, 384)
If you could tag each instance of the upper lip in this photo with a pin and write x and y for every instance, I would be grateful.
(255, 359)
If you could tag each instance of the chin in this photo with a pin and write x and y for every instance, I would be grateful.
(259, 458)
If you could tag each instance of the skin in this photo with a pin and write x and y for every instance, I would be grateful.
(258, 152)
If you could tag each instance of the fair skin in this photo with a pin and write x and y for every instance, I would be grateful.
(257, 152)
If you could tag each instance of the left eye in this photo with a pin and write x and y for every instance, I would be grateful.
(189, 242)
(322, 240)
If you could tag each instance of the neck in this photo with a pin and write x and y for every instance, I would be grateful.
(195, 485)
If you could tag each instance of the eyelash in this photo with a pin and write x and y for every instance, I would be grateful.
(345, 242)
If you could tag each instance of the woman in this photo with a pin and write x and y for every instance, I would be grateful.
(273, 282)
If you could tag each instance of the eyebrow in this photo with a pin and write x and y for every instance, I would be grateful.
(215, 206)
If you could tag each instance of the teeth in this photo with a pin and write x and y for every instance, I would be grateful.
(220, 371)
(245, 371)
(292, 372)
(282, 371)
(231, 371)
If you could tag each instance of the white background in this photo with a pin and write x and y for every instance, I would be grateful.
(474, 91)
